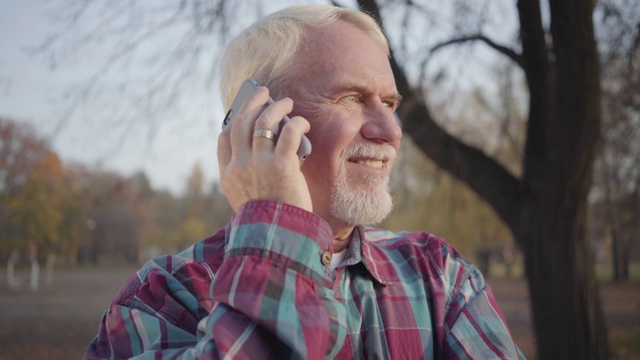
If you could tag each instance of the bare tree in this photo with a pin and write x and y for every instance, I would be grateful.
(617, 184)
(161, 56)
(546, 207)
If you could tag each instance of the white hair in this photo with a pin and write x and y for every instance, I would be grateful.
(265, 52)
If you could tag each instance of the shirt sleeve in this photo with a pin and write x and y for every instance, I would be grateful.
(475, 326)
(271, 298)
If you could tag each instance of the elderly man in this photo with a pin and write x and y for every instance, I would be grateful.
(296, 274)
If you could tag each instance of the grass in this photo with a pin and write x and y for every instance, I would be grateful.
(604, 272)
(625, 345)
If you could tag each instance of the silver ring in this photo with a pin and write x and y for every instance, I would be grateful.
(264, 133)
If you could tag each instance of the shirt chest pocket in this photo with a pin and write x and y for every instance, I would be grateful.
(389, 321)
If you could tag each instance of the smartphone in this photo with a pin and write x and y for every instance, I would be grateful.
(248, 88)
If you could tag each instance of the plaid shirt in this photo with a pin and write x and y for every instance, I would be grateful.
(260, 289)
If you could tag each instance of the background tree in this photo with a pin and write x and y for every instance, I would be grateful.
(115, 216)
(177, 221)
(39, 211)
(429, 199)
(96, 216)
(617, 184)
(546, 207)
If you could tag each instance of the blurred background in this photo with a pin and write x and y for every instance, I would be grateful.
(109, 115)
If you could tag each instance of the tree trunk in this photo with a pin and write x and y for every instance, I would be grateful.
(49, 267)
(615, 254)
(11, 269)
(559, 258)
(35, 275)
(568, 320)
(35, 267)
(613, 226)
(625, 255)
(610, 220)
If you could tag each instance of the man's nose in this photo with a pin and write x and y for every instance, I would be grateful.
(381, 125)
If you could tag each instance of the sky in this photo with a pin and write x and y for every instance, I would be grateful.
(113, 128)
(34, 89)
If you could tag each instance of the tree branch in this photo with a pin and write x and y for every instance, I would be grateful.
(483, 174)
(510, 53)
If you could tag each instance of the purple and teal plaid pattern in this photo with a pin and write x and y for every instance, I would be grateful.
(258, 289)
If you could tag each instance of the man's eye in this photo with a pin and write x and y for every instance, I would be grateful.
(352, 99)
(391, 105)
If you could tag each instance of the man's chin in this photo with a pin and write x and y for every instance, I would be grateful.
(370, 182)
(362, 207)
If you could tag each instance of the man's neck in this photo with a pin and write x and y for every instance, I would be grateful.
(342, 237)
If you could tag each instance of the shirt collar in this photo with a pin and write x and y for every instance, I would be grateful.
(372, 256)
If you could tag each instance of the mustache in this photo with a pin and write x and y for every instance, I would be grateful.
(383, 151)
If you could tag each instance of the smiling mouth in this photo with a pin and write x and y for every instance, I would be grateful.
(373, 157)
(374, 163)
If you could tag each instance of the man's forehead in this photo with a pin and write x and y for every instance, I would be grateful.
(330, 46)
(342, 57)
(335, 34)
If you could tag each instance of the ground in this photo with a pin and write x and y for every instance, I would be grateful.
(59, 323)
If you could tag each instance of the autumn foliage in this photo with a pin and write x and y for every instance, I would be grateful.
(82, 215)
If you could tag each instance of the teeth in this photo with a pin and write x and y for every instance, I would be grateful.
(373, 163)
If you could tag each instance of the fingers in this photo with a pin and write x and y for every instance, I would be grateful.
(253, 115)
(291, 135)
(242, 125)
(224, 148)
(251, 165)
(269, 121)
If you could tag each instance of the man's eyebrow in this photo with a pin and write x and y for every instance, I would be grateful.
(397, 97)
(352, 88)
(363, 90)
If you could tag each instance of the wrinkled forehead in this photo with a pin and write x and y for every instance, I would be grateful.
(319, 37)
(346, 52)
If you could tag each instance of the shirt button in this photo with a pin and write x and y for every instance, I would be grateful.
(326, 258)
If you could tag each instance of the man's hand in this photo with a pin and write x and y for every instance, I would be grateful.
(255, 168)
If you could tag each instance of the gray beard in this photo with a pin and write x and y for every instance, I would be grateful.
(366, 206)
